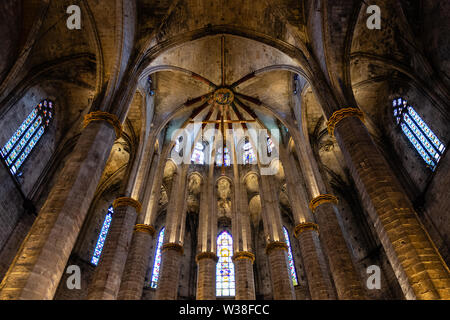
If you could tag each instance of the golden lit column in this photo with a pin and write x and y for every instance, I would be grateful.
(206, 258)
(245, 281)
(136, 266)
(43, 255)
(307, 233)
(277, 248)
(418, 265)
(206, 275)
(106, 281)
(172, 249)
(244, 257)
(346, 279)
(133, 279)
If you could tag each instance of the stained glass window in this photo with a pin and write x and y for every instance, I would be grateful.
(19, 147)
(102, 237)
(427, 144)
(225, 282)
(157, 264)
(198, 156)
(219, 157)
(270, 145)
(249, 154)
(290, 258)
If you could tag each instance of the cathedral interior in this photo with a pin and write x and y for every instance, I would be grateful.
(224, 150)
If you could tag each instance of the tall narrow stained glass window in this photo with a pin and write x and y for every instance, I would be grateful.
(19, 147)
(290, 258)
(426, 143)
(220, 157)
(198, 155)
(249, 154)
(225, 281)
(102, 237)
(157, 263)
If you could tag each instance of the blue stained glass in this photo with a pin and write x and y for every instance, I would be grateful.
(102, 237)
(220, 156)
(249, 154)
(430, 135)
(28, 149)
(157, 264)
(13, 155)
(290, 258)
(418, 146)
(425, 142)
(225, 277)
(198, 156)
(19, 147)
(10, 144)
(419, 134)
(270, 145)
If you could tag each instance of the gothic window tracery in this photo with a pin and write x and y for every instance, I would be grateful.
(290, 258)
(157, 263)
(102, 237)
(220, 157)
(225, 280)
(426, 143)
(20, 145)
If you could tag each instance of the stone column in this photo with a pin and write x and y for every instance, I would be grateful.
(346, 280)
(307, 233)
(281, 279)
(319, 282)
(172, 249)
(170, 271)
(276, 249)
(105, 284)
(42, 257)
(245, 281)
(137, 262)
(133, 280)
(206, 279)
(419, 268)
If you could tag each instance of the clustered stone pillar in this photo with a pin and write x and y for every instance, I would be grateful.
(170, 271)
(105, 284)
(276, 249)
(346, 280)
(137, 262)
(281, 280)
(245, 281)
(133, 280)
(172, 249)
(206, 276)
(307, 233)
(207, 259)
(42, 257)
(319, 282)
(419, 268)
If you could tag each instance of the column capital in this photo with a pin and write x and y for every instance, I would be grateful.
(243, 255)
(206, 255)
(172, 246)
(321, 199)
(145, 228)
(340, 115)
(276, 245)
(127, 202)
(306, 226)
(104, 116)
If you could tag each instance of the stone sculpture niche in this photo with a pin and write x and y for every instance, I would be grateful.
(224, 198)
(194, 189)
